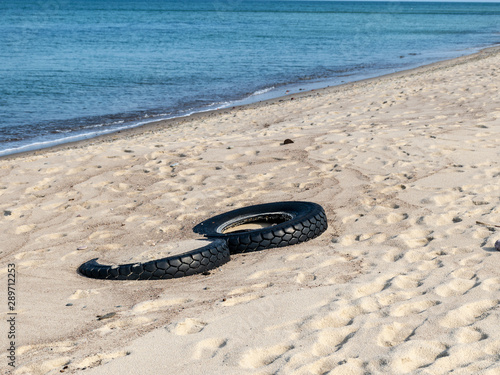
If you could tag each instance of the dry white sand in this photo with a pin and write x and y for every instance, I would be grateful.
(405, 280)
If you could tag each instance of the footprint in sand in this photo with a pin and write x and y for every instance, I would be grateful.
(101, 235)
(70, 255)
(188, 326)
(347, 240)
(370, 237)
(304, 277)
(491, 284)
(158, 304)
(441, 219)
(79, 294)
(324, 365)
(338, 318)
(331, 339)
(373, 287)
(428, 265)
(411, 308)
(42, 368)
(117, 324)
(412, 256)
(473, 260)
(249, 289)
(41, 185)
(208, 348)
(407, 281)
(24, 228)
(393, 189)
(415, 354)
(100, 359)
(468, 314)
(492, 348)
(393, 255)
(392, 218)
(76, 170)
(52, 206)
(416, 237)
(51, 237)
(455, 287)
(352, 366)
(393, 334)
(463, 273)
(351, 218)
(392, 298)
(467, 335)
(55, 347)
(259, 357)
(464, 357)
(446, 199)
(481, 233)
(332, 261)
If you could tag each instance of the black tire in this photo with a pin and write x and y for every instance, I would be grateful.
(199, 260)
(293, 222)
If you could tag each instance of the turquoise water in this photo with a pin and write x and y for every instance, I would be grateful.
(72, 69)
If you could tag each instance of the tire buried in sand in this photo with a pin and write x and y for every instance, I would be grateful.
(192, 262)
(266, 226)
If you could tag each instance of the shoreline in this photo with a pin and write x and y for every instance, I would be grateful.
(176, 121)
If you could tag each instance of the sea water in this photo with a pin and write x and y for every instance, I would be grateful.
(73, 69)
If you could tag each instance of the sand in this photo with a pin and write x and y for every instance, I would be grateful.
(405, 280)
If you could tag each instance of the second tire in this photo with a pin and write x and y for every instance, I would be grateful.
(282, 224)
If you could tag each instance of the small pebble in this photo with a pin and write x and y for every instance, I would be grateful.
(107, 316)
(497, 245)
(7, 213)
(81, 247)
(287, 141)
(69, 304)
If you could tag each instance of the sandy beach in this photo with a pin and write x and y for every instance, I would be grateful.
(405, 280)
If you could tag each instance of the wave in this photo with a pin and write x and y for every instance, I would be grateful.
(263, 91)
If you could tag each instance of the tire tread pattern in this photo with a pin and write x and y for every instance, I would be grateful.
(196, 261)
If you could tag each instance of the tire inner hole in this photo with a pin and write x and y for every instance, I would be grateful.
(251, 223)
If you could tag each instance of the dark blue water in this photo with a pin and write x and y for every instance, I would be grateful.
(71, 69)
